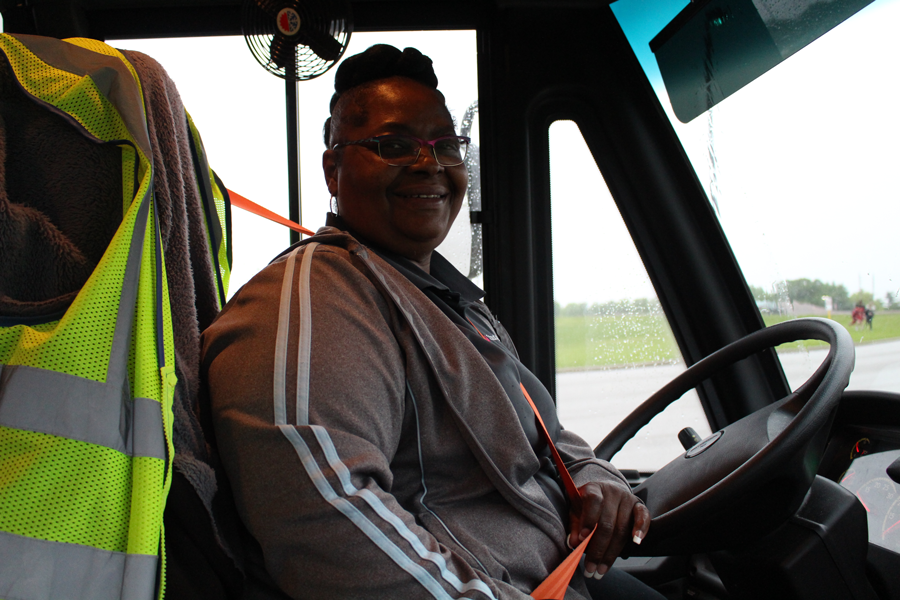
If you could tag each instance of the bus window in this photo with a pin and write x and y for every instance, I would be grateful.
(799, 167)
(614, 347)
(239, 109)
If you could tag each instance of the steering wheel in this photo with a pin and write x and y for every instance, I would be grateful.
(746, 479)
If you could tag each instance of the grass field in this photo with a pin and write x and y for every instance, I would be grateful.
(591, 342)
(604, 341)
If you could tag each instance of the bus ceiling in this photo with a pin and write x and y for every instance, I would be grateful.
(130, 19)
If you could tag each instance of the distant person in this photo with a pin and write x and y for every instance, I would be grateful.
(870, 314)
(858, 314)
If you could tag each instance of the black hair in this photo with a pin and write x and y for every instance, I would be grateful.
(378, 62)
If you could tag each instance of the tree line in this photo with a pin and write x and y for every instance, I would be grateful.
(639, 306)
(811, 291)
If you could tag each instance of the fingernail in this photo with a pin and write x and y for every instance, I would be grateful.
(598, 575)
(637, 538)
(601, 571)
(589, 570)
(569, 542)
(584, 533)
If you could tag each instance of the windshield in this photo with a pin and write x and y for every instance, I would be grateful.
(800, 167)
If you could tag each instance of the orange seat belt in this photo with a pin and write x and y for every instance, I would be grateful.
(253, 207)
(554, 586)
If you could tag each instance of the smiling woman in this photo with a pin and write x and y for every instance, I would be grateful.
(407, 209)
(401, 395)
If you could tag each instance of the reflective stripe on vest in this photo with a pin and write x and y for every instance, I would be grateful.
(86, 401)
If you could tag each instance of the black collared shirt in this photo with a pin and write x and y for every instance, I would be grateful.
(455, 294)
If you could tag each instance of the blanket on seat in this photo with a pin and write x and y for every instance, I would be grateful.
(60, 204)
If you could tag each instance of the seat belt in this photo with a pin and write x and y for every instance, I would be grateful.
(554, 586)
(256, 209)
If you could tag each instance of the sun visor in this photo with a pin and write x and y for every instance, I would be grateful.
(715, 47)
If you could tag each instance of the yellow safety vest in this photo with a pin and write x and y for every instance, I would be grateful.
(86, 400)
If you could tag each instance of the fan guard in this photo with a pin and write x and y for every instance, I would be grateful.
(297, 40)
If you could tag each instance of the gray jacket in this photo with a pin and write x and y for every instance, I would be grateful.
(372, 452)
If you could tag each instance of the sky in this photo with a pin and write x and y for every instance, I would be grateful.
(806, 155)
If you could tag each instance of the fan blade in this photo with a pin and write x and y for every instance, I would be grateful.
(281, 50)
(320, 42)
(270, 7)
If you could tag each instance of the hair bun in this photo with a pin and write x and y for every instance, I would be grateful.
(382, 61)
(379, 62)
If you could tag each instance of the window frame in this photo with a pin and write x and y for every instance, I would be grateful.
(700, 286)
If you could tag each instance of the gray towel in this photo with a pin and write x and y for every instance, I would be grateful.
(192, 289)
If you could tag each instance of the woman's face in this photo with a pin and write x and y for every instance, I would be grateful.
(407, 210)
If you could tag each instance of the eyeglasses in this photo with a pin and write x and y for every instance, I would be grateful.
(403, 150)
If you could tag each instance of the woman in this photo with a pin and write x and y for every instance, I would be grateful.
(379, 440)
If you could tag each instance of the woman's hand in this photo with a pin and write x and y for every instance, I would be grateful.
(619, 516)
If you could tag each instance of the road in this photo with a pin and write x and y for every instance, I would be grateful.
(591, 403)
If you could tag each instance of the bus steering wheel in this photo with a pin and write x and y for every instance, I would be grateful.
(746, 479)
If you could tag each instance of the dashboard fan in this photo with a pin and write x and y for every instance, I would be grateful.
(297, 39)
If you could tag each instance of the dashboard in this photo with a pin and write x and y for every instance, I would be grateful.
(879, 494)
(865, 441)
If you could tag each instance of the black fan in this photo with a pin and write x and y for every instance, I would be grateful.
(297, 39)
